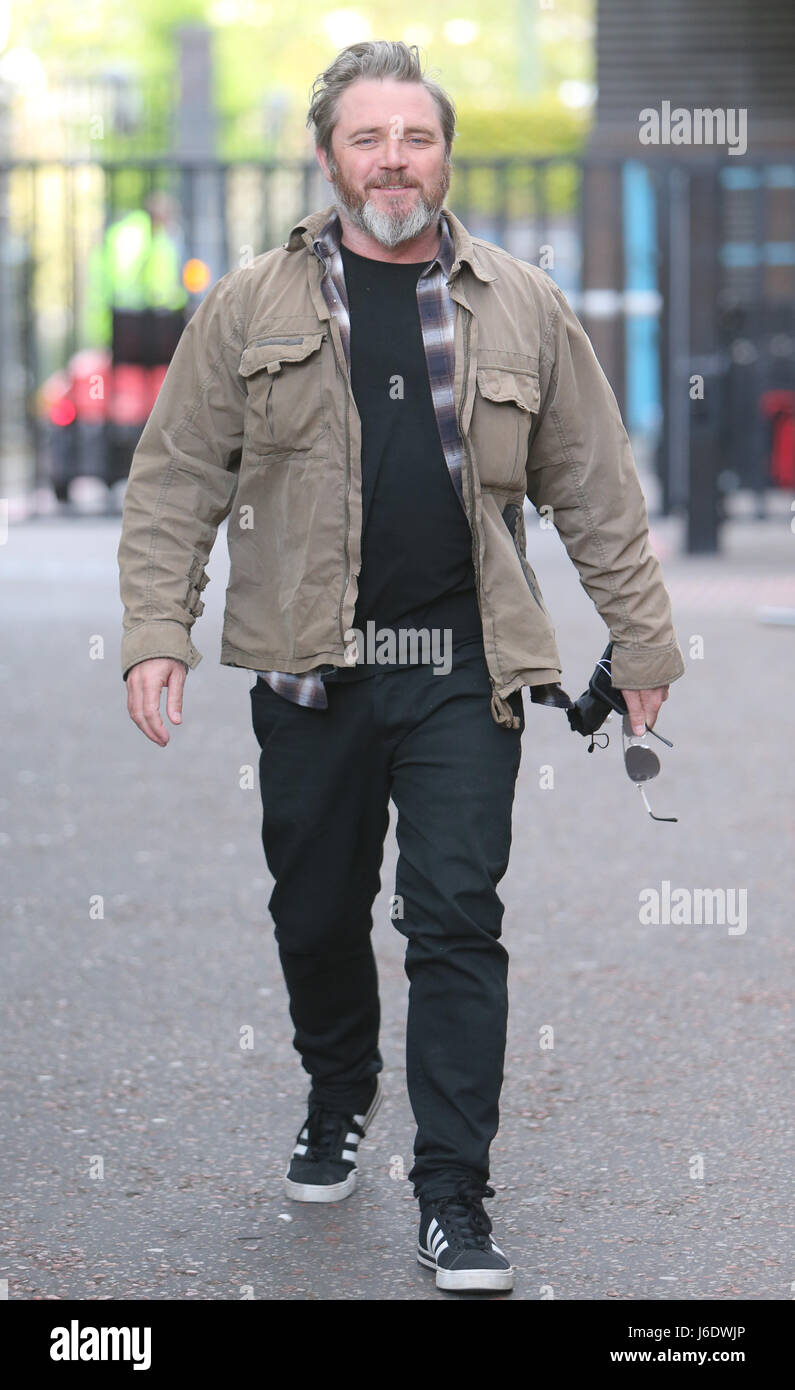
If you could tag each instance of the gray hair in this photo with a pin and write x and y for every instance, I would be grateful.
(378, 59)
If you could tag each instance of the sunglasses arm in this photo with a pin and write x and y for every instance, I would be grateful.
(666, 741)
(673, 820)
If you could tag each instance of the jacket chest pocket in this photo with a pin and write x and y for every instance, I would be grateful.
(507, 402)
(283, 376)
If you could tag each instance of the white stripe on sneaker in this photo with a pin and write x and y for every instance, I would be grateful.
(300, 1149)
(349, 1154)
(437, 1252)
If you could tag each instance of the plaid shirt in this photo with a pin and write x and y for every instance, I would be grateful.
(437, 321)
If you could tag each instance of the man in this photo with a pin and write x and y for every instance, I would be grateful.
(370, 403)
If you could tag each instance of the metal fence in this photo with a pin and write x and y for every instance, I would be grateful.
(677, 271)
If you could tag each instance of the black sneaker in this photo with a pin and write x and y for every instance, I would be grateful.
(455, 1240)
(323, 1163)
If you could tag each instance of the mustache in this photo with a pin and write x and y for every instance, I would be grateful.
(387, 183)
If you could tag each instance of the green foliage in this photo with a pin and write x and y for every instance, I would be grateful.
(528, 128)
(267, 53)
(521, 131)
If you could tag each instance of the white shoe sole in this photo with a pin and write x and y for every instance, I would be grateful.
(334, 1192)
(320, 1192)
(468, 1280)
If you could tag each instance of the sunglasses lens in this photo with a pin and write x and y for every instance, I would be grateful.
(641, 763)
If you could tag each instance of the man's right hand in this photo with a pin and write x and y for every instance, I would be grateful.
(145, 681)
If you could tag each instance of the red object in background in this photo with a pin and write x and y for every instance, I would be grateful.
(128, 397)
(779, 407)
(62, 412)
(89, 372)
(92, 390)
(157, 376)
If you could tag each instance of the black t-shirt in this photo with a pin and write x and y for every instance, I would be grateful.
(417, 568)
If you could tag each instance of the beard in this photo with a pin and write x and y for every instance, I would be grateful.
(389, 226)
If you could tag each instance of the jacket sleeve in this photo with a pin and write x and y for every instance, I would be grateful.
(182, 483)
(580, 463)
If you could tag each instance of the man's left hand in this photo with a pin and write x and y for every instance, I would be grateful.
(644, 706)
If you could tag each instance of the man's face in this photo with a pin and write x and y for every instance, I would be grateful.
(388, 169)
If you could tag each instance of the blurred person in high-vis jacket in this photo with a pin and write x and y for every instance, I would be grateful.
(137, 269)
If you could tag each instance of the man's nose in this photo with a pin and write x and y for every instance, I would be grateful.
(394, 155)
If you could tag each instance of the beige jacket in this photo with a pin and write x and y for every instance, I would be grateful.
(256, 421)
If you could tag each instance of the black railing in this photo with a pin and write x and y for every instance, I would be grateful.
(716, 295)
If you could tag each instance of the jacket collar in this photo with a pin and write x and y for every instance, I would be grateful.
(305, 232)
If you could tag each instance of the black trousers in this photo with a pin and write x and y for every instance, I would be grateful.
(326, 776)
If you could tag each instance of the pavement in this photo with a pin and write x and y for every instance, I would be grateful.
(645, 1148)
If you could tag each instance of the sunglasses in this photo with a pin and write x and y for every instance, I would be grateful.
(641, 761)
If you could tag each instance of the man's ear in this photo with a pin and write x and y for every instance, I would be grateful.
(322, 160)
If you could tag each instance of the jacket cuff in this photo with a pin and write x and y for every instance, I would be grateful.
(160, 637)
(643, 668)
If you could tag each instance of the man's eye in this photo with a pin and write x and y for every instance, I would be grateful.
(370, 140)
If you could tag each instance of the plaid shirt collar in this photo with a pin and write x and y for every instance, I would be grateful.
(327, 247)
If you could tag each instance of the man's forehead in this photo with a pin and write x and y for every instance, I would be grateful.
(370, 101)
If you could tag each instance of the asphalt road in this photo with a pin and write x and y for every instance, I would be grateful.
(646, 1155)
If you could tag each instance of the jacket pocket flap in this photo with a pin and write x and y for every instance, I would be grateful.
(503, 384)
(271, 352)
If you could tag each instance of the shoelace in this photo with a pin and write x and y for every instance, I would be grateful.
(325, 1130)
(465, 1222)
